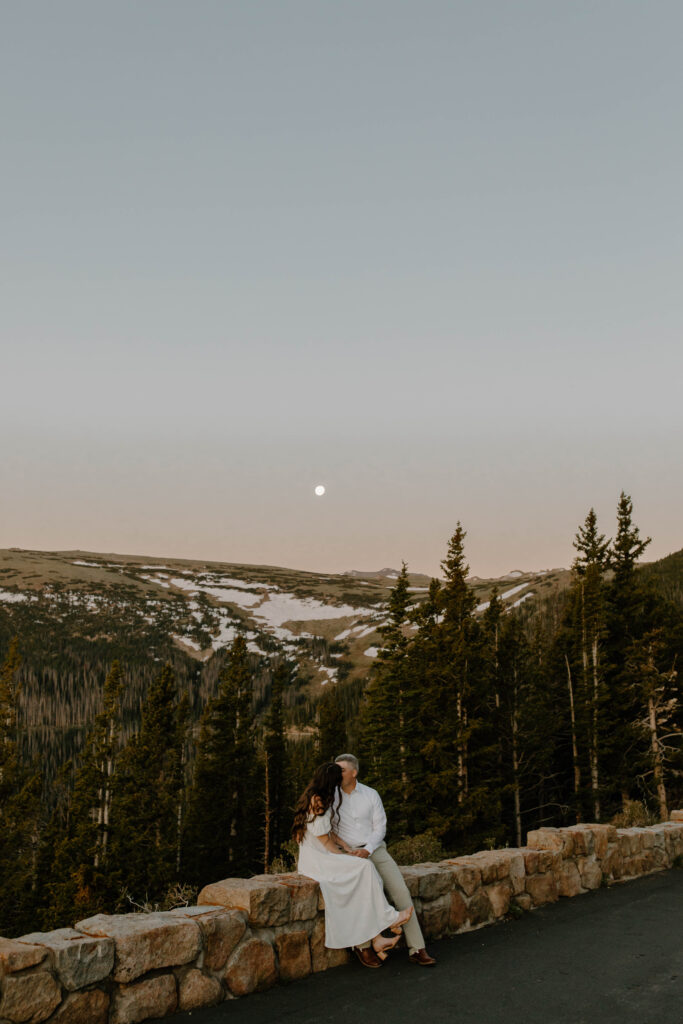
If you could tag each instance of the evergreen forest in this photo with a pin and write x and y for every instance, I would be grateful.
(476, 723)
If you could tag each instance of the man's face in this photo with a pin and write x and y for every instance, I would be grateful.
(349, 773)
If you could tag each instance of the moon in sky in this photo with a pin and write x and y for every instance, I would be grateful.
(320, 490)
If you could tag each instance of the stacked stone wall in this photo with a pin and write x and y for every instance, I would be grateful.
(247, 934)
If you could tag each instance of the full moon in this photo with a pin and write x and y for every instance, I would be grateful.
(320, 490)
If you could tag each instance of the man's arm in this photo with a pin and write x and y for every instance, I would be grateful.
(379, 826)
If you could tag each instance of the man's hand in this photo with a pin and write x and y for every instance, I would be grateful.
(361, 853)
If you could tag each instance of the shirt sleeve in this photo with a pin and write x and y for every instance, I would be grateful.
(379, 823)
(321, 824)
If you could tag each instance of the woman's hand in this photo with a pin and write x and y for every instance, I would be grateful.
(329, 843)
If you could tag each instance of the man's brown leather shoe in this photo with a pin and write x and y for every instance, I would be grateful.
(422, 958)
(367, 956)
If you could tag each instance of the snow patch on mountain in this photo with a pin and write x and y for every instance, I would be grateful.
(282, 607)
(225, 595)
(513, 590)
(187, 641)
(227, 631)
(9, 597)
(230, 581)
(372, 628)
(155, 579)
(359, 630)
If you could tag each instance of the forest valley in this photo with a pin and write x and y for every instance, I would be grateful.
(475, 723)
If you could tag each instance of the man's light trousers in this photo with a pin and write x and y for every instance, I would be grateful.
(398, 895)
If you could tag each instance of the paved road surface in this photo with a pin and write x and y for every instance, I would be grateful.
(610, 957)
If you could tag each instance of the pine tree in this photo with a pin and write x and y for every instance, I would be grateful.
(21, 822)
(592, 547)
(632, 611)
(654, 679)
(589, 571)
(516, 727)
(222, 827)
(454, 725)
(388, 714)
(453, 741)
(494, 685)
(332, 735)
(80, 879)
(182, 739)
(9, 692)
(423, 672)
(144, 841)
(276, 769)
(627, 547)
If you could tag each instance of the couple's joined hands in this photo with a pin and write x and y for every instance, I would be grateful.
(345, 848)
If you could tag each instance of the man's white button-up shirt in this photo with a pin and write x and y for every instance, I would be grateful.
(362, 821)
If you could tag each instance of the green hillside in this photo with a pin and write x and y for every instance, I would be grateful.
(667, 575)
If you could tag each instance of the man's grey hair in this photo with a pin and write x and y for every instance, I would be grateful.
(353, 761)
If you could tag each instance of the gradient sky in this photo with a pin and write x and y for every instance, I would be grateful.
(428, 254)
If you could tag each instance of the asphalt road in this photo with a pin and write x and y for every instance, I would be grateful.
(614, 956)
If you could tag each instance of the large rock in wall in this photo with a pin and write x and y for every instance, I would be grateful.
(247, 934)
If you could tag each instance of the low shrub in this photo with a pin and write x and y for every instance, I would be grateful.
(417, 849)
(634, 815)
(287, 861)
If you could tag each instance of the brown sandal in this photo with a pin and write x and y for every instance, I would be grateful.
(398, 928)
(383, 950)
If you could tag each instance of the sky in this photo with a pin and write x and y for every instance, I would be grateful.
(428, 254)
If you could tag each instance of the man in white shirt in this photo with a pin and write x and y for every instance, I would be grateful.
(361, 830)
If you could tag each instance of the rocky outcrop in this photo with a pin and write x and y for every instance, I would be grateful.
(247, 934)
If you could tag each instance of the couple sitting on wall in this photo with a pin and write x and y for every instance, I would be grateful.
(340, 824)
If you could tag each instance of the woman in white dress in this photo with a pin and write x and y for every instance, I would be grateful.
(356, 909)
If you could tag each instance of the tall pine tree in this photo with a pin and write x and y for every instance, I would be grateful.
(632, 611)
(276, 781)
(144, 838)
(81, 881)
(21, 822)
(589, 596)
(388, 715)
(223, 837)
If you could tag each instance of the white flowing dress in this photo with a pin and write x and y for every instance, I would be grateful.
(356, 908)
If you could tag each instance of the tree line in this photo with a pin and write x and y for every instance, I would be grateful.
(480, 727)
(474, 726)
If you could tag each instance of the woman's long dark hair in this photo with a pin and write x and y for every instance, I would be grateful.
(317, 797)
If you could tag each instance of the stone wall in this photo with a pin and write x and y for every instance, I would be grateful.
(247, 934)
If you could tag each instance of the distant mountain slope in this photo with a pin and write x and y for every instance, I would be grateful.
(199, 606)
(667, 575)
(76, 611)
